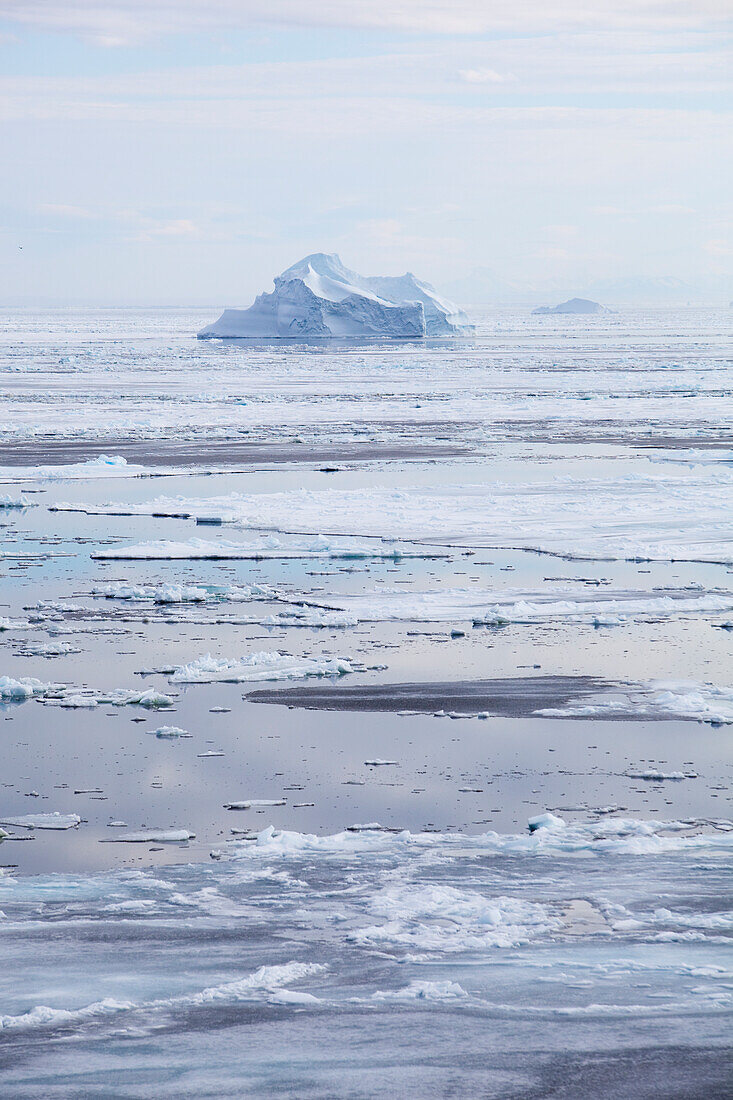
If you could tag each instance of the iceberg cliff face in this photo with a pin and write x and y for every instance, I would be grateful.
(319, 297)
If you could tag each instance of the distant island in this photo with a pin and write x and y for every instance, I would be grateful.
(319, 297)
(573, 305)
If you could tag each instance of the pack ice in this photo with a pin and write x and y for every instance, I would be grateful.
(320, 297)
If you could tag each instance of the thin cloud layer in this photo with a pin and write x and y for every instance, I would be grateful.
(119, 22)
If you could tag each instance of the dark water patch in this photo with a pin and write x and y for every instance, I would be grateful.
(214, 452)
(514, 697)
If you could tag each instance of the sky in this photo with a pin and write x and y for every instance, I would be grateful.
(166, 152)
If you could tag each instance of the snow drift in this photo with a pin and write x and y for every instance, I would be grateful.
(319, 297)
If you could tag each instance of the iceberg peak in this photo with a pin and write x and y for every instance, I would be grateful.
(319, 297)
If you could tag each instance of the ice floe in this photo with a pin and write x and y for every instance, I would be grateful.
(13, 624)
(26, 687)
(104, 466)
(311, 617)
(53, 820)
(629, 836)
(150, 698)
(432, 917)
(262, 666)
(653, 516)
(653, 775)
(65, 695)
(254, 803)
(270, 548)
(182, 593)
(49, 649)
(657, 699)
(267, 983)
(157, 836)
(495, 607)
(422, 991)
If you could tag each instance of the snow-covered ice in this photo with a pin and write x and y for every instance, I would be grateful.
(498, 606)
(653, 516)
(53, 820)
(104, 466)
(266, 549)
(660, 699)
(319, 297)
(256, 667)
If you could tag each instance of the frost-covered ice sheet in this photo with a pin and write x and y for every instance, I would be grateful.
(549, 951)
(270, 548)
(263, 666)
(141, 377)
(679, 515)
(701, 702)
(47, 820)
(103, 466)
(67, 695)
(495, 607)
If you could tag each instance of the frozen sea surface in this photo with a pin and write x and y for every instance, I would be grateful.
(476, 583)
(367, 963)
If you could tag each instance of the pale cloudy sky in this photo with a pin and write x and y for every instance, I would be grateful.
(184, 151)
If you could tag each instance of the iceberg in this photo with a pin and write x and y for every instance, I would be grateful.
(573, 305)
(319, 297)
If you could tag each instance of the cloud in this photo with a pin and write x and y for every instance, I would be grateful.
(62, 210)
(484, 76)
(718, 248)
(121, 22)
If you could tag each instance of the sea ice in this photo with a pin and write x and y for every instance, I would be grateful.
(104, 466)
(270, 548)
(53, 820)
(13, 624)
(145, 836)
(27, 687)
(667, 516)
(495, 607)
(249, 803)
(257, 667)
(423, 991)
(657, 699)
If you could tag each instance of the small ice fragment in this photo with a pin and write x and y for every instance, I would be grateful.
(159, 836)
(248, 803)
(25, 688)
(545, 821)
(653, 775)
(78, 702)
(53, 820)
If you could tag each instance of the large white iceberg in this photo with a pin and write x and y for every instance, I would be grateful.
(319, 297)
